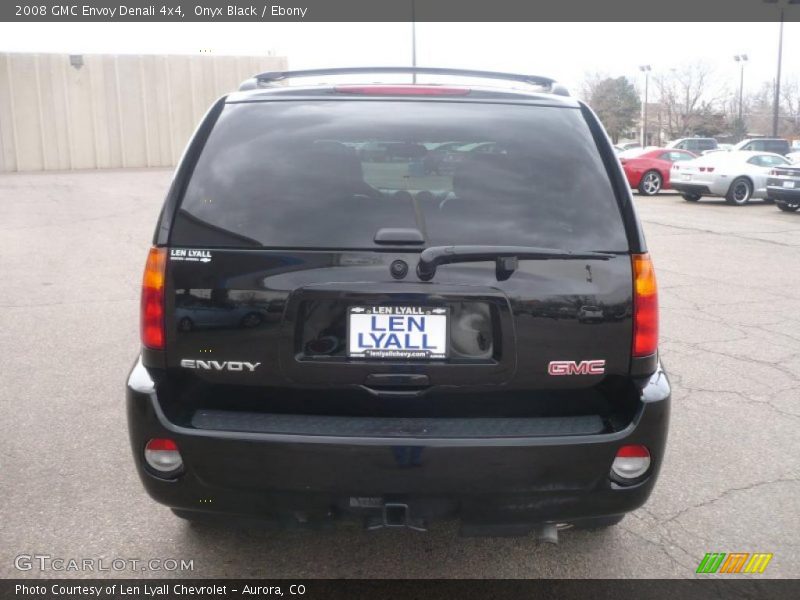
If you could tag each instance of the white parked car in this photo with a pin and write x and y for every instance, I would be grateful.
(737, 176)
(720, 148)
(794, 157)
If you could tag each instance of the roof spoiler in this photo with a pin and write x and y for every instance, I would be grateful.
(272, 78)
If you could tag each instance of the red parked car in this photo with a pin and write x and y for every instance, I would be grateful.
(648, 170)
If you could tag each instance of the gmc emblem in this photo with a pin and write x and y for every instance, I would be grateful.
(571, 367)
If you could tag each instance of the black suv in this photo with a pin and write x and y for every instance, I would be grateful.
(774, 145)
(325, 336)
(697, 145)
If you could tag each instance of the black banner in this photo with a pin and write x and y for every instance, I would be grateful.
(397, 10)
(314, 589)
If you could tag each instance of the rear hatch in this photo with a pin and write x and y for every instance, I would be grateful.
(293, 283)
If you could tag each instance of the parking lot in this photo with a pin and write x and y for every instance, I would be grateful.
(72, 248)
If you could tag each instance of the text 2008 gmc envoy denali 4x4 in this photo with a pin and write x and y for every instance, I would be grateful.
(400, 303)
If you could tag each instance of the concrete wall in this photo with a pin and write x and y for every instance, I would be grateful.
(115, 111)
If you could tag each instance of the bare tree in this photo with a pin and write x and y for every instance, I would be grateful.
(790, 107)
(590, 83)
(758, 111)
(688, 99)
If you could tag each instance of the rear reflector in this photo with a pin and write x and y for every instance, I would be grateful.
(402, 90)
(645, 306)
(152, 308)
(631, 462)
(162, 455)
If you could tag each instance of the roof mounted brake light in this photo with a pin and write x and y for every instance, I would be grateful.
(402, 90)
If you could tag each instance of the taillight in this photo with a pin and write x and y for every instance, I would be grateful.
(402, 90)
(152, 310)
(162, 455)
(645, 306)
(631, 462)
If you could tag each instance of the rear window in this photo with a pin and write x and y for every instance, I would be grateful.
(777, 146)
(331, 174)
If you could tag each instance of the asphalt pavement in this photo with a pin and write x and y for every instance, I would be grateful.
(72, 249)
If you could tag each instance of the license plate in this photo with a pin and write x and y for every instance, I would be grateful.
(397, 332)
(788, 184)
(686, 177)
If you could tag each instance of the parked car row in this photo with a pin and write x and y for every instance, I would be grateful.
(738, 175)
(701, 145)
(436, 157)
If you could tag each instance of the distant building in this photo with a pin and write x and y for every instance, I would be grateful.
(100, 111)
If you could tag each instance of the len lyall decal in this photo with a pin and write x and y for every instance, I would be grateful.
(734, 562)
(190, 255)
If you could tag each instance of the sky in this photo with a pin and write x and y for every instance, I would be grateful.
(564, 51)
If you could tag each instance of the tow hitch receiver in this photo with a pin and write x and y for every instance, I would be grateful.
(395, 514)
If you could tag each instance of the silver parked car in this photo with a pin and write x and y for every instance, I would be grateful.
(738, 176)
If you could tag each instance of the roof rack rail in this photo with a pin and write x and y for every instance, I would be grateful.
(270, 78)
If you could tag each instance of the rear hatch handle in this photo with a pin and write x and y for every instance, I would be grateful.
(506, 257)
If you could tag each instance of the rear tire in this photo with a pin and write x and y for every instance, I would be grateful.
(651, 183)
(691, 197)
(787, 206)
(740, 192)
(597, 522)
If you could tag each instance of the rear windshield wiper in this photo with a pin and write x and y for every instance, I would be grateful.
(505, 257)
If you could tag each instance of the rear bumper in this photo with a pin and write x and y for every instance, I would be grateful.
(547, 472)
(791, 196)
(691, 188)
(633, 177)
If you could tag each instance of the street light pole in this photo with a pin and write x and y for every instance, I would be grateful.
(777, 102)
(776, 105)
(413, 40)
(741, 59)
(646, 70)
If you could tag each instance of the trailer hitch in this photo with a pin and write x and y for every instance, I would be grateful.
(395, 514)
